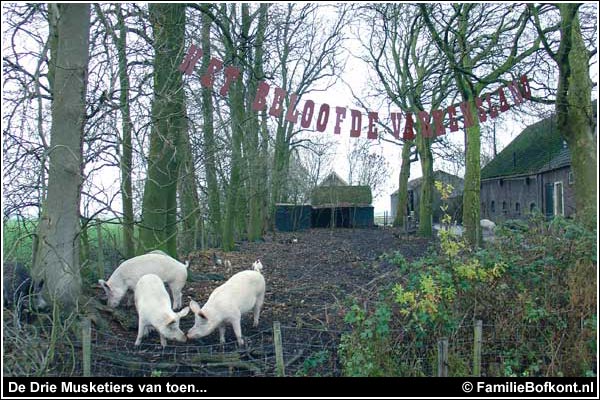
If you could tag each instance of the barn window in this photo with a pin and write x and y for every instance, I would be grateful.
(532, 208)
(493, 206)
(504, 208)
(571, 178)
(518, 208)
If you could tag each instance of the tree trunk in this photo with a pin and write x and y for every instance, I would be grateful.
(191, 219)
(127, 155)
(159, 206)
(236, 95)
(574, 114)
(401, 209)
(57, 258)
(256, 181)
(471, 195)
(426, 198)
(215, 231)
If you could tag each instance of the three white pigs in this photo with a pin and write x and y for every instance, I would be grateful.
(145, 275)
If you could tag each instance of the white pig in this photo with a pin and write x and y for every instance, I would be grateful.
(243, 292)
(127, 275)
(153, 306)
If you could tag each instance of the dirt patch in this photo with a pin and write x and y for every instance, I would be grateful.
(309, 276)
(308, 273)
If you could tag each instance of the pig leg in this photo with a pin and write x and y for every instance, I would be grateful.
(237, 329)
(163, 340)
(257, 307)
(142, 331)
(176, 290)
(222, 333)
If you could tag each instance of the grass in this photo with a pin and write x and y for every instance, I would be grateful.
(18, 235)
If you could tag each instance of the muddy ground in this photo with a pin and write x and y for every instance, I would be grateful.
(308, 274)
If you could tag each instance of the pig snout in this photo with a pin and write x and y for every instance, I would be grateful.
(179, 336)
(194, 333)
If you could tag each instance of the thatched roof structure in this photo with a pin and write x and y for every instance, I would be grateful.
(335, 192)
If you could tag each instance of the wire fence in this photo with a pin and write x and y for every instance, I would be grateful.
(474, 349)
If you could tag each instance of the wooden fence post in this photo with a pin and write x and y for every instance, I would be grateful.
(280, 366)
(86, 346)
(100, 255)
(477, 339)
(443, 357)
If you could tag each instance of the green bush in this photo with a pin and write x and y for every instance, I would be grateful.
(534, 287)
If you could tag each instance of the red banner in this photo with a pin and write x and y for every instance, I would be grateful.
(432, 124)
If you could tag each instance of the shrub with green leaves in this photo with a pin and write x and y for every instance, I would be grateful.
(534, 287)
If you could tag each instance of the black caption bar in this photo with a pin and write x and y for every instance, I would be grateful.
(201, 387)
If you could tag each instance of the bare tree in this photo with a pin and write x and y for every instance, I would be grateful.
(306, 57)
(57, 258)
(366, 168)
(483, 44)
(573, 54)
(413, 76)
(159, 212)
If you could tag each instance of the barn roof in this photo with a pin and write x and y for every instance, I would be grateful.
(536, 147)
(333, 179)
(334, 191)
(438, 175)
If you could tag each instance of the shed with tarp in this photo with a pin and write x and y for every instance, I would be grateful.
(292, 217)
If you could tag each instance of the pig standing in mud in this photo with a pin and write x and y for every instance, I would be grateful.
(156, 262)
(153, 306)
(242, 293)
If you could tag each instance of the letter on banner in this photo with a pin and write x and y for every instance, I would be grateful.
(453, 125)
(525, 87)
(292, 114)
(356, 123)
(480, 110)
(214, 66)
(260, 99)
(307, 113)
(231, 74)
(438, 122)
(425, 124)
(503, 103)
(465, 108)
(277, 105)
(323, 117)
(372, 132)
(340, 114)
(409, 133)
(190, 60)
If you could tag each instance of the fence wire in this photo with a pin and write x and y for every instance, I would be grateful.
(305, 352)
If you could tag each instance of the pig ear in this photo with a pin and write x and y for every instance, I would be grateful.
(171, 321)
(183, 312)
(201, 315)
(104, 285)
(194, 307)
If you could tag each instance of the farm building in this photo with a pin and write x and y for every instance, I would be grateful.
(292, 217)
(532, 172)
(414, 194)
(333, 203)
